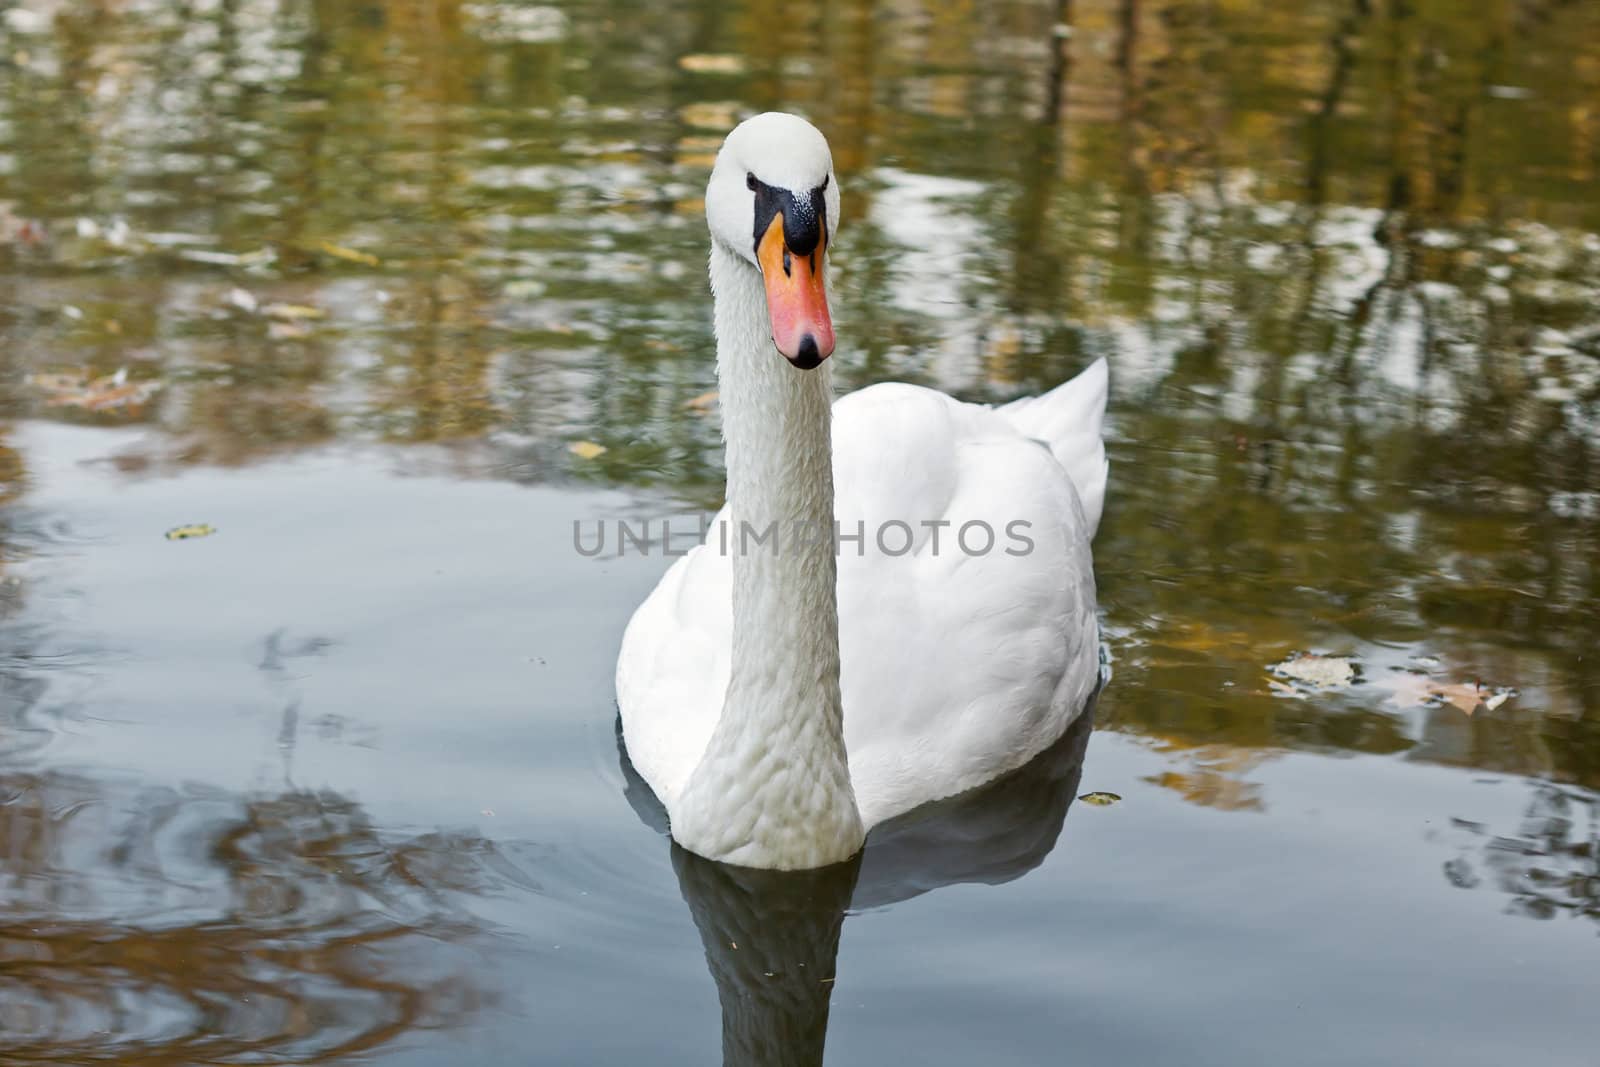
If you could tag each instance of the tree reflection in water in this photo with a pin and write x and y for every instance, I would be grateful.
(179, 927)
(1549, 868)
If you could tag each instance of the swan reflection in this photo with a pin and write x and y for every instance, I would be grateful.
(772, 937)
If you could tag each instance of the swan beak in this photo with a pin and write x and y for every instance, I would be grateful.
(797, 303)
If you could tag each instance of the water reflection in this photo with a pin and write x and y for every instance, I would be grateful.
(772, 937)
(1549, 867)
(183, 927)
(771, 940)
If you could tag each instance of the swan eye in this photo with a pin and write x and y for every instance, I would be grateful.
(750, 180)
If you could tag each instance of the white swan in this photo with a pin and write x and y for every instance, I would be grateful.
(781, 698)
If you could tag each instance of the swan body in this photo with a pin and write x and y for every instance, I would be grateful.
(782, 696)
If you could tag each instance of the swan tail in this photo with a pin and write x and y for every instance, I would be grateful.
(1069, 419)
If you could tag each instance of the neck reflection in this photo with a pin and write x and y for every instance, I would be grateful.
(771, 938)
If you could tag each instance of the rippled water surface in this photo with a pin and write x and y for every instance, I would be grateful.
(389, 293)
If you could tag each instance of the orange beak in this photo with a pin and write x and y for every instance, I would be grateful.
(796, 300)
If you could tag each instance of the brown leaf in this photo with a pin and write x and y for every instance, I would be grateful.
(1409, 690)
(77, 390)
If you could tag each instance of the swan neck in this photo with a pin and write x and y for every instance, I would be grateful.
(773, 788)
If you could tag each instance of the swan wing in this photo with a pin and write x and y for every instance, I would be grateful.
(672, 672)
(966, 656)
(1070, 420)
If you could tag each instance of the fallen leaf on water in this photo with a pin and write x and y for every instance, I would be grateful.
(1470, 698)
(703, 403)
(1409, 690)
(586, 449)
(186, 533)
(294, 312)
(78, 390)
(710, 63)
(351, 255)
(1319, 672)
(1100, 800)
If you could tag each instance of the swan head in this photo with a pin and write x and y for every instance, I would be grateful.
(773, 201)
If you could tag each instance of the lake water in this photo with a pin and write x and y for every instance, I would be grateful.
(390, 293)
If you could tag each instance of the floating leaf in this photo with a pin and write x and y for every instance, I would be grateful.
(351, 255)
(711, 63)
(1408, 690)
(1100, 800)
(188, 533)
(1319, 672)
(586, 449)
(77, 390)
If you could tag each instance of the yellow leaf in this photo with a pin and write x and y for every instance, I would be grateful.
(351, 255)
(185, 533)
(1100, 800)
(710, 63)
(586, 449)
